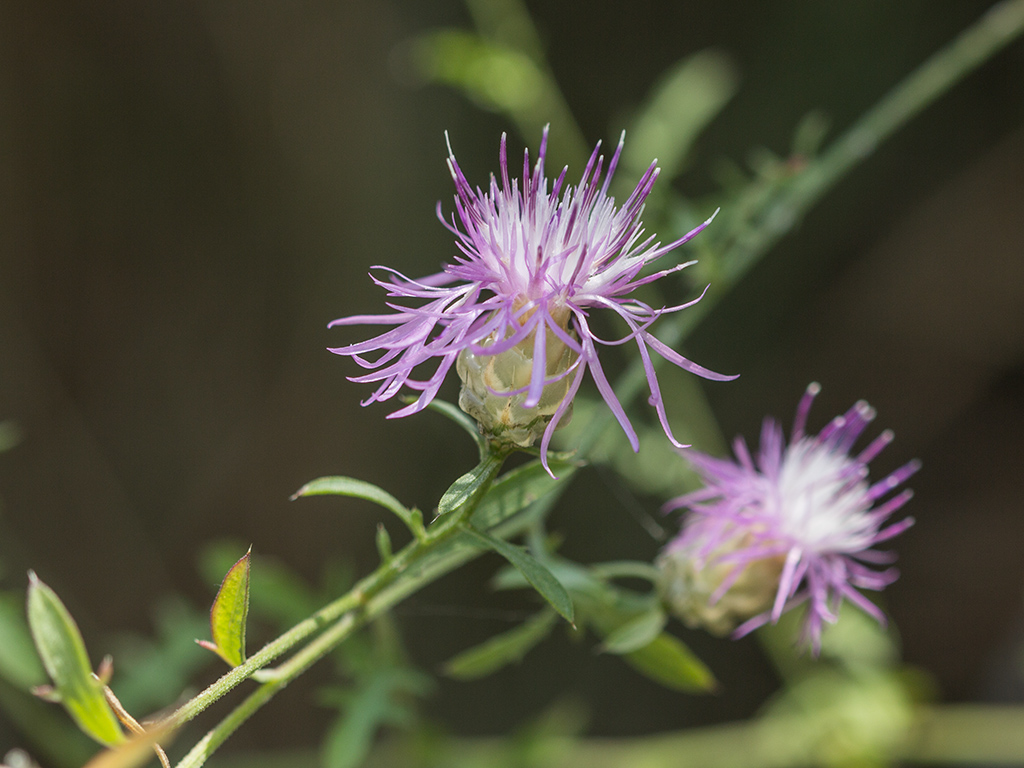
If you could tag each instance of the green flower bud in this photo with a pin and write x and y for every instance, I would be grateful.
(486, 380)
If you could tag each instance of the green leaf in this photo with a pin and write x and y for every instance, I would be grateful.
(635, 633)
(516, 490)
(276, 593)
(500, 650)
(668, 661)
(360, 489)
(384, 548)
(472, 484)
(539, 577)
(60, 646)
(230, 613)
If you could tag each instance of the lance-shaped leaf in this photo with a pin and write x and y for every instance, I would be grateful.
(500, 650)
(229, 614)
(668, 661)
(360, 489)
(471, 485)
(62, 650)
(516, 490)
(540, 578)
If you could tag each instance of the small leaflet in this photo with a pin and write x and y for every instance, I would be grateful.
(229, 614)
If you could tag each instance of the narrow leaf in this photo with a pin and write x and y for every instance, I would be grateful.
(539, 577)
(384, 548)
(230, 613)
(668, 661)
(62, 650)
(357, 489)
(516, 490)
(500, 650)
(635, 633)
(472, 484)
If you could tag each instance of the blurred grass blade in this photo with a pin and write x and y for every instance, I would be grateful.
(635, 633)
(230, 613)
(62, 650)
(500, 77)
(496, 77)
(500, 650)
(668, 661)
(681, 105)
(540, 578)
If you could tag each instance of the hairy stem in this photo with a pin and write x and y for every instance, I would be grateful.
(408, 571)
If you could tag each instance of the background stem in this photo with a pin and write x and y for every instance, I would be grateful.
(1000, 25)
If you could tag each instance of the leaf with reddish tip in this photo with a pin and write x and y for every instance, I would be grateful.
(62, 651)
(229, 614)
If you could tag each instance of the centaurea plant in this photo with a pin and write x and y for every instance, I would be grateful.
(797, 524)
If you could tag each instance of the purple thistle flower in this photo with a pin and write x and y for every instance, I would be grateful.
(533, 262)
(798, 526)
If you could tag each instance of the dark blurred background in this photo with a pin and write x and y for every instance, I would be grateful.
(191, 191)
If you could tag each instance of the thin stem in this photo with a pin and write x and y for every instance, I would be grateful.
(1000, 25)
(407, 572)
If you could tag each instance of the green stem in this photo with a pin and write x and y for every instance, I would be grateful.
(408, 571)
(1000, 25)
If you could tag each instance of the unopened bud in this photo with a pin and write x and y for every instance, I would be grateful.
(690, 584)
(487, 380)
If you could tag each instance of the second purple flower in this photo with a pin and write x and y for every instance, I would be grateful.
(534, 259)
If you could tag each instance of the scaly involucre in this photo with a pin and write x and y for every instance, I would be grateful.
(532, 263)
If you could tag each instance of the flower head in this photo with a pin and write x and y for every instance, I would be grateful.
(798, 526)
(534, 259)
